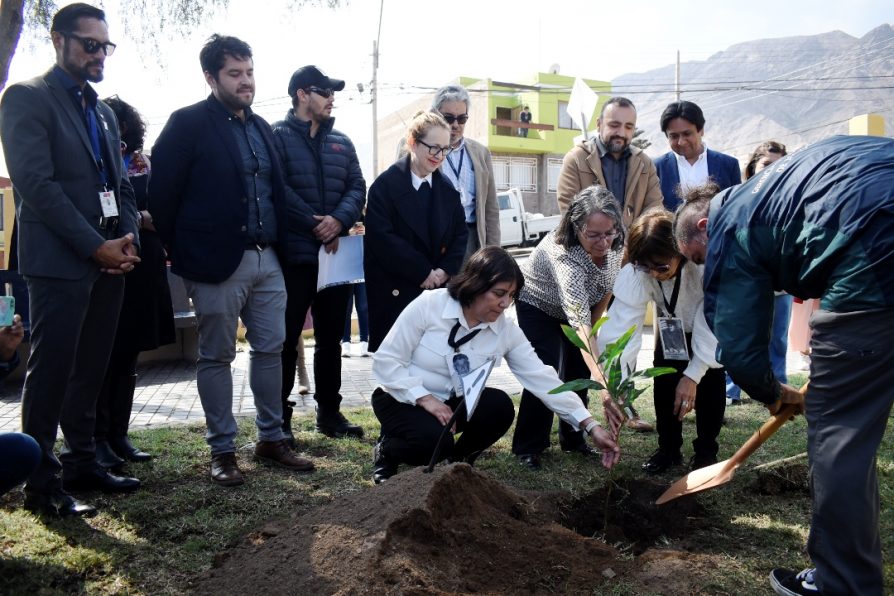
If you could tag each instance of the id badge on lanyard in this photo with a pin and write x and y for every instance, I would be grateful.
(670, 328)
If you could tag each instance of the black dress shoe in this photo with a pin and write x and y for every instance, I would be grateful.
(125, 449)
(335, 425)
(702, 460)
(106, 456)
(660, 461)
(57, 504)
(383, 467)
(98, 479)
(530, 461)
(583, 449)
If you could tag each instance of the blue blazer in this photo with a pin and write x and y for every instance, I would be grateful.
(722, 168)
(197, 193)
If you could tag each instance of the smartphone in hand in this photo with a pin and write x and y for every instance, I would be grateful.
(7, 310)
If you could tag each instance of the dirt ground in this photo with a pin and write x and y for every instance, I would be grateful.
(457, 531)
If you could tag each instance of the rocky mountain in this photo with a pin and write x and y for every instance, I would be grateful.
(795, 90)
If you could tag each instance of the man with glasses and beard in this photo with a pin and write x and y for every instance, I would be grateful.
(77, 234)
(470, 169)
(611, 161)
(326, 188)
(219, 204)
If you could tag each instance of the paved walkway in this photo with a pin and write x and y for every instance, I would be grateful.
(166, 391)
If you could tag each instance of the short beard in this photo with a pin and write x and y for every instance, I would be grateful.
(616, 145)
(81, 73)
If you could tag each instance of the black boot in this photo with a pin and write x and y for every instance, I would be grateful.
(334, 424)
(106, 457)
(287, 426)
(383, 467)
(123, 387)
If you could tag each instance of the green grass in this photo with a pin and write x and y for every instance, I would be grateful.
(154, 541)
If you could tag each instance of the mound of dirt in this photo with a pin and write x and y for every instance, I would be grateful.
(452, 531)
(791, 478)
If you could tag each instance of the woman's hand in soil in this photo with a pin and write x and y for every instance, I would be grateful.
(684, 400)
(613, 415)
(436, 408)
(611, 452)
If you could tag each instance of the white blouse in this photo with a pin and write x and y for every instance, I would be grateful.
(634, 289)
(415, 360)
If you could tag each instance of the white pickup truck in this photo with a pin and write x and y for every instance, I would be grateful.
(517, 226)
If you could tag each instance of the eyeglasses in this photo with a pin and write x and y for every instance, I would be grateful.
(327, 93)
(656, 268)
(450, 118)
(91, 46)
(608, 236)
(435, 150)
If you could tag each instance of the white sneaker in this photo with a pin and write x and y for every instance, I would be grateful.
(364, 351)
(803, 362)
(345, 349)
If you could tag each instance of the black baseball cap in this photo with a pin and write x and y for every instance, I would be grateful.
(311, 76)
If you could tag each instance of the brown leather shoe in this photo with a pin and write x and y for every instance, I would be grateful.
(278, 453)
(225, 471)
(639, 425)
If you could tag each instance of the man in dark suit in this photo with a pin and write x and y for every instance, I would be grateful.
(77, 224)
(219, 204)
(690, 163)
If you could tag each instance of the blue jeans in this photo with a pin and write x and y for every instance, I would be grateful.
(782, 312)
(20, 455)
(359, 296)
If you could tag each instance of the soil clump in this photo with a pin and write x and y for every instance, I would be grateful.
(455, 531)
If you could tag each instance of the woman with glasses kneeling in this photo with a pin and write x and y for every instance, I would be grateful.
(415, 227)
(568, 280)
(462, 328)
(657, 272)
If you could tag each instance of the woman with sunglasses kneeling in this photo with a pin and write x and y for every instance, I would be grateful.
(462, 331)
(657, 272)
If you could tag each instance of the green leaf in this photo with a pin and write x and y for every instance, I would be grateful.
(577, 385)
(657, 371)
(597, 325)
(574, 338)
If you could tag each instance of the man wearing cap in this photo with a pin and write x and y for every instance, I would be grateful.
(219, 204)
(326, 194)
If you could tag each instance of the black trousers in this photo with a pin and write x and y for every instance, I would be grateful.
(535, 420)
(710, 404)
(73, 326)
(115, 402)
(328, 310)
(409, 433)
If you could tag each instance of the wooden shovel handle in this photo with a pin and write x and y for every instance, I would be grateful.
(765, 431)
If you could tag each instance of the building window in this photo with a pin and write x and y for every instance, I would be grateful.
(553, 167)
(564, 119)
(518, 172)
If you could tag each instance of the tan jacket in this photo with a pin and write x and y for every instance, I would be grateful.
(487, 210)
(582, 167)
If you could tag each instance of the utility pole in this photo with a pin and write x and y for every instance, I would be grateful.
(374, 93)
(677, 77)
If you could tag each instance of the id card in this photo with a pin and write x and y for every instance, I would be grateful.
(109, 206)
(7, 310)
(673, 338)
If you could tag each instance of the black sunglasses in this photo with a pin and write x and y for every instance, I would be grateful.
(327, 93)
(91, 46)
(450, 118)
(435, 150)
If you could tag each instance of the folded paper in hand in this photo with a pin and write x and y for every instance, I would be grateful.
(344, 266)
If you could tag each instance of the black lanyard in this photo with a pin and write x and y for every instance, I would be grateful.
(452, 341)
(459, 168)
(674, 295)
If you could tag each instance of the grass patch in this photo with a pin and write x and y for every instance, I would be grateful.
(156, 540)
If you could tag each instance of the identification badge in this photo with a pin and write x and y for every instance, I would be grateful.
(673, 338)
(109, 206)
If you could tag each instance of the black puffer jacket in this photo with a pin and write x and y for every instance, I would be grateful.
(323, 177)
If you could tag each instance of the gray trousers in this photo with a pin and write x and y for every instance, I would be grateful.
(255, 292)
(73, 325)
(847, 408)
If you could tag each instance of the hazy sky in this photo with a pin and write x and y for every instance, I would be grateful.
(426, 44)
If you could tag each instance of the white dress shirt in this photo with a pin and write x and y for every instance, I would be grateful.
(634, 289)
(417, 181)
(692, 175)
(415, 360)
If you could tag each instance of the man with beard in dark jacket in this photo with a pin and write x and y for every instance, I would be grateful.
(328, 191)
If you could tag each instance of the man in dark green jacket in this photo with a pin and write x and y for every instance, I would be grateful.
(816, 224)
